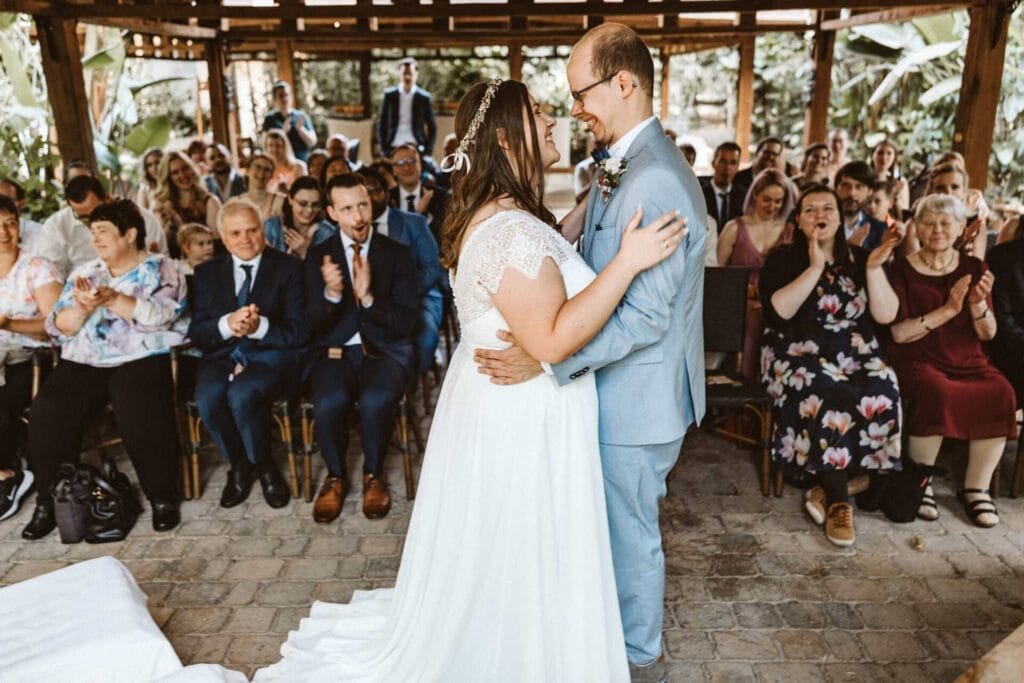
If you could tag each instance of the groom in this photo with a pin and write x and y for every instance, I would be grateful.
(648, 359)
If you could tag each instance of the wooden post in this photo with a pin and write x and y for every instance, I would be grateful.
(515, 61)
(745, 97)
(286, 64)
(65, 87)
(979, 90)
(365, 96)
(816, 114)
(666, 83)
(220, 97)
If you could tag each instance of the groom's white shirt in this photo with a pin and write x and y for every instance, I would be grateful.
(619, 148)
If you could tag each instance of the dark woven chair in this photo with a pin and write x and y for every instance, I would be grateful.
(725, 315)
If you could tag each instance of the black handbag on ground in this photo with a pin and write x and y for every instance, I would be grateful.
(898, 494)
(94, 505)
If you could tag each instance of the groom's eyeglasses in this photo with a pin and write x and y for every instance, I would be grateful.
(578, 94)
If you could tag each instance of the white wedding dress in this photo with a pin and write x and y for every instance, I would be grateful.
(506, 574)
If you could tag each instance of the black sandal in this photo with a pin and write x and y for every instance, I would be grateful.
(928, 502)
(978, 507)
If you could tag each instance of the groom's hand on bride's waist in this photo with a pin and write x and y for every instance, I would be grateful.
(507, 366)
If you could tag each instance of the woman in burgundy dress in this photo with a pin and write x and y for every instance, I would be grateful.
(951, 387)
(745, 241)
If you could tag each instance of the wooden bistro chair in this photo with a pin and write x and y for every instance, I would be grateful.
(404, 426)
(725, 315)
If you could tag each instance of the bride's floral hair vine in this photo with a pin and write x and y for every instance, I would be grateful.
(459, 159)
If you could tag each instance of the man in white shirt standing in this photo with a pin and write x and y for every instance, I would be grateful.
(65, 239)
(407, 114)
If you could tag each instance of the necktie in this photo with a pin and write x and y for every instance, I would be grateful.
(723, 209)
(410, 203)
(244, 291)
(600, 155)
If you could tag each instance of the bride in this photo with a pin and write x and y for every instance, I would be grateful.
(506, 573)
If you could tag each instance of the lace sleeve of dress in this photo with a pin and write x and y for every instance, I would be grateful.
(521, 243)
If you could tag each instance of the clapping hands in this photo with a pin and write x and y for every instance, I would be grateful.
(244, 321)
(982, 288)
(333, 280)
(88, 298)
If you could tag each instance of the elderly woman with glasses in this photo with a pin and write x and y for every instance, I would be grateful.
(295, 230)
(116, 321)
(952, 390)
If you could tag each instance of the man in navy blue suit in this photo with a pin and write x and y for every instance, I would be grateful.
(854, 183)
(362, 309)
(248, 321)
(411, 229)
(407, 114)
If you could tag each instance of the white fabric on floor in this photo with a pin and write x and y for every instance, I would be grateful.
(83, 623)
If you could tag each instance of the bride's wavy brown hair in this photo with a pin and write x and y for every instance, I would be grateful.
(494, 173)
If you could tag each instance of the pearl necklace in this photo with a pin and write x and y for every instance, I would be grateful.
(931, 266)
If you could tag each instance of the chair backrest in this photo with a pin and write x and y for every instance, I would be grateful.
(725, 308)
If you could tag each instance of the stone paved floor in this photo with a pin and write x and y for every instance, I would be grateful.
(755, 592)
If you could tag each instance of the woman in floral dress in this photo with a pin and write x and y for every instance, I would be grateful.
(836, 402)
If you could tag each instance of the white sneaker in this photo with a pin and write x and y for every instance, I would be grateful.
(12, 490)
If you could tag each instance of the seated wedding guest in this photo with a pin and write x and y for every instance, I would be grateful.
(387, 170)
(951, 179)
(1007, 349)
(297, 228)
(258, 174)
(362, 309)
(689, 152)
(66, 241)
(149, 171)
(952, 389)
(769, 154)
(248, 322)
(181, 197)
(854, 183)
(223, 181)
(416, 192)
(837, 403)
(76, 168)
(746, 240)
(338, 148)
(196, 153)
(885, 163)
(29, 230)
(28, 288)
(316, 161)
(839, 148)
(411, 230)
(196, 243)
(115, 321)
(722, 194)
(335, 166)
(286, 166)
(814, 170)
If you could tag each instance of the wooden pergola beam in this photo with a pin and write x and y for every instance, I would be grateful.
(65, 87)
(745, 91)
(220, 97)
(184, 10)
(889, 16)
(979, 90)
(816, 114)
(151, 27)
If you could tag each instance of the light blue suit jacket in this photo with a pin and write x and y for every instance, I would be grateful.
(649, 357)
(412, 229)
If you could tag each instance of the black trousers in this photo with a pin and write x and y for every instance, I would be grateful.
(15, 396)
(336, 385)
(140, 392)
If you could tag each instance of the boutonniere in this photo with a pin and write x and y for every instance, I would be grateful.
(609, 174)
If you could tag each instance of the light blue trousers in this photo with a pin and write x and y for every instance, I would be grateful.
(634, 482)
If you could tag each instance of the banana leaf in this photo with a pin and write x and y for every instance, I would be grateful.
(136, 88)
(152, 132)
(943, 88)
(910, 62)
(892, 36)
(108, 58)
(17, 73)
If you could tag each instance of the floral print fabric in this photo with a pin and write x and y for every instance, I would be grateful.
(107, 339)
(836, 402)
(17, 301)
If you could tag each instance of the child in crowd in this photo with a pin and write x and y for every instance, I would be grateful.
(196, 241)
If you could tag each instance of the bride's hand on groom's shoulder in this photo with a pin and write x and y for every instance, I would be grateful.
(643, 248)
(507, 366)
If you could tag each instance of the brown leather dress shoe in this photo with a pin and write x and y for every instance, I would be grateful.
(328, 501)
(376, 497)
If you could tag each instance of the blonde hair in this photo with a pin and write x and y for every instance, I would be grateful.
(166, 198)
(289, 154)
(190, 231)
